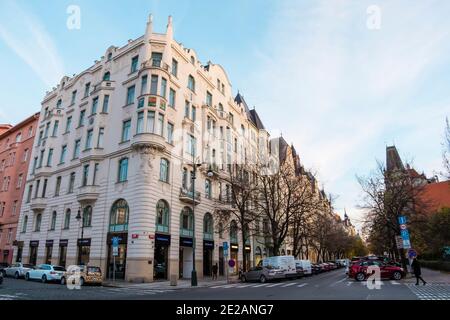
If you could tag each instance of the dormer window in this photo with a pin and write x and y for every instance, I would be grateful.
(109, 56)
(107, 76)
(193, 60)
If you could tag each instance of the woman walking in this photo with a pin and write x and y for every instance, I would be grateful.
(417, 271)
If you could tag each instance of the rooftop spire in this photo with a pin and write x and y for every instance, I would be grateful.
(169, 30)
(147, 37)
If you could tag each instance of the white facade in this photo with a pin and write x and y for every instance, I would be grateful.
(147, 143)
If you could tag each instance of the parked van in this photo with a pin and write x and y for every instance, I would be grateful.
(286, 263)
(305, 265)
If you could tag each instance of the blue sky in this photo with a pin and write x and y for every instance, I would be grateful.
(336, 89)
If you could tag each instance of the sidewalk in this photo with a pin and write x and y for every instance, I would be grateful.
(430, 276)
(181, 283)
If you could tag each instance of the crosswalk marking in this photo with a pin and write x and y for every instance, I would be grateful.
(431, 291)
(394, 282)
(289, 284)
(245, 286)
(274, 285)
(261, 285)
(302, 285)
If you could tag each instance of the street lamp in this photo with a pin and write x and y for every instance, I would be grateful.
(194, 176)
(79, 217)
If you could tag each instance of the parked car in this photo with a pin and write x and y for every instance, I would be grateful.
(18, 270)
(285, 263)
(358, 271)
(300, 271)
(333, 265)
(45, 272)
(305, 265)
(325, 266)
(3, 266)
(315, 268)
(263, 274)
(88, 275)
(1, 278)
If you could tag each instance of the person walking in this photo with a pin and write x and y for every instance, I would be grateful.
(417, 271)
(214, 271)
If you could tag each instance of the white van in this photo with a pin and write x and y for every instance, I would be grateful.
(286, 263)
(306, 266)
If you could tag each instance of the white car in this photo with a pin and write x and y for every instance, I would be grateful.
(45, 272)
(305, 265)
(18, 270)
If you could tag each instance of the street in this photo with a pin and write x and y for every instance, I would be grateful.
(332, 285)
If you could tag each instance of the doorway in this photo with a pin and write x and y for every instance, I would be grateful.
(221, 261)
(207, 261)
(160, 269)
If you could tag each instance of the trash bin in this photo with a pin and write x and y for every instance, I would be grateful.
(173, 279)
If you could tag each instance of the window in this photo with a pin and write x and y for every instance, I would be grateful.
(134, 64)
(163, 87)
(191, 83)
(233, 232)
(109, 56)
(192, 60)
(37, 188)
(140, 123)
(53, 223)
(164, 170)
(8, 240)
(130, 95)
(41, 158)
(208, 188)
(172, 94)
(30, 132)
(144, 84)
(71, 182)
(174, 67)
(85, 175)
(68, 124)
(184, 178)
(194, 113)
(162, 216)
(25, 155)
(74, 97)
(94, 179)
(235, 145)
(37, 226)
(170, 129)
(105, 104)
(19, 181)
(126, 130)
(151, 121)
(87, 87)
(87, 216)
(14, 208)
(187, 109)
(94, 105)
(55, 128)
(101, 133)
(88, 144)
(44, 188)
(123, 170)
(141, 103)
(191, 144)
(47, 127)
(187, 222)
(82, 116)
(67, 219)
(156, 59)
(41, 136)
(19, 137)
(208, 98)
(24, 224)
(208, 227)
(58, 186)
(2, 208)
(62, 158)
(161, 124)
(154, 85)
(107, 76)
(118, 219)
(76, 150)
(50, 157)
(30, 193)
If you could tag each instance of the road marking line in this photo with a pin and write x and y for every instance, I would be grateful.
(274, 285)
(289, 284)
(244, 286)
(230, 286)
(261, 285)
(302, 285)
(394, 282)
(221, 286)
(349, 283)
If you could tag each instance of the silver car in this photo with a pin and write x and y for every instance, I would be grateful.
(262, 274)
(18, 270)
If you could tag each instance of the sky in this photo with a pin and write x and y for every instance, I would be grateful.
(340, 80)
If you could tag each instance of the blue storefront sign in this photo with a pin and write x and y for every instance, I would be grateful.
(208, 244)
(163, 239)
(186, 242)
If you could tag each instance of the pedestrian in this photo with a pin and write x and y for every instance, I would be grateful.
(417, 271)
(214, 271)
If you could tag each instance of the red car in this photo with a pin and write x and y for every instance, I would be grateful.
(358, 270)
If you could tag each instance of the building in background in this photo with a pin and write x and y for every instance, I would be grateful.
(16, 144)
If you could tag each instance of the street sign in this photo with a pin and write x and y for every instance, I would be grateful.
(231, 263)
(115, 241)
(399, 242)
(406, 244)
(404, 234)
(115, 251)
(401, 219)
(225, 245)
(412, 253)
(225, 252)
(403, 226)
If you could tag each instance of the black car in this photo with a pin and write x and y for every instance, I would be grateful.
(3, 266)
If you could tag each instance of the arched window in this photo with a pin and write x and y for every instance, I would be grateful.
(58, 104)
(192, 60)
(164, 170)
(67, 219)
(191, 83)
(24, 225)
(37, 226)
(208, 188)
(220, 107)
(187, 222)
(107, 76)
(87, 216)
(19, 137)
(53, 223)
(118, 219)
(109, 56)
(233, 232)
(162, 216)
(208, 227)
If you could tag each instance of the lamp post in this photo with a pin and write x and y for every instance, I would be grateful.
(79, 217)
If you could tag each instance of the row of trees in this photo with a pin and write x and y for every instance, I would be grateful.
(289, 206)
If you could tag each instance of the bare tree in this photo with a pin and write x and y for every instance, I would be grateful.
(446, 152)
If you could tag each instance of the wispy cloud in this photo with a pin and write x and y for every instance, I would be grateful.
(27, 37)
(345, 87)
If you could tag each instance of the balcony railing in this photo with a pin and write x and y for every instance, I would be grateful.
(186, 232)
(162, 228)
(118, 227)
(38, 204)
(208, 236)
(104, 84)
(187, 196)
(88, 194)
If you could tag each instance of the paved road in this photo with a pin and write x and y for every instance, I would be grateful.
(326, 286)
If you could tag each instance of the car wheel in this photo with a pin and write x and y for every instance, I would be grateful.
(360, 276)
(243, 278)
(263, 279)
(397, 275)
(44, 278)
(27, 276)
(63, 280)
(81, 281)
(16, 275)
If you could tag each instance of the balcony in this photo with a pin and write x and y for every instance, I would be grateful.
(186, 233)
(223, 204)
(213, 167)
(88, 194)
(103, 85)
(38, 204)
(55, 112)
(186, 196)
(43, 171)
(142, 140)
(208, 236)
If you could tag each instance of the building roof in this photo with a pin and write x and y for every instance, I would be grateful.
(436, 195)
(251, 114)
(393, 161)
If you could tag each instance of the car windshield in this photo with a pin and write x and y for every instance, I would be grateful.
(93, 269)
(59, 269)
